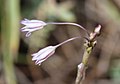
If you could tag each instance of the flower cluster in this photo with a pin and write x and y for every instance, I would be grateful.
(45, 53)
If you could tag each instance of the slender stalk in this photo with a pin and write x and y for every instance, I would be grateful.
(66, 41)
(68, 23)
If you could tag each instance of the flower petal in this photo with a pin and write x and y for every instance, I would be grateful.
(33, 23)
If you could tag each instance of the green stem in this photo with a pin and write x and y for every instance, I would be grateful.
(86, 55)
(10, 38)
(82, 67)
(89, 45)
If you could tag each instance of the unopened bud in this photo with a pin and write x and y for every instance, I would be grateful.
(97, 29)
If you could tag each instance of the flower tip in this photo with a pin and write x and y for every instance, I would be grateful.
(26, 19)
(38, 64)
(28, 34)
(33, 59)
(33, 54)
(22, 29)
(22, 22)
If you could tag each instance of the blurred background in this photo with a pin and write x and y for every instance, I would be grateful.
(16, 66)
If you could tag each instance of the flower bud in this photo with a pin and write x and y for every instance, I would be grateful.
(97, 29)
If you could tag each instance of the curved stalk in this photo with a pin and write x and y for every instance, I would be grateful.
(66, 41)
(68, 23)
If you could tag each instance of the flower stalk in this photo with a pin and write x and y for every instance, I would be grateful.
(89, 45)
(68, 23)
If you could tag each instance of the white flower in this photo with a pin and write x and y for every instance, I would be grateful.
(46, 52)
(31, 25)
(43, 54)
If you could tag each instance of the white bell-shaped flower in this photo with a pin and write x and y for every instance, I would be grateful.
(43, 54)
(31, 25)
